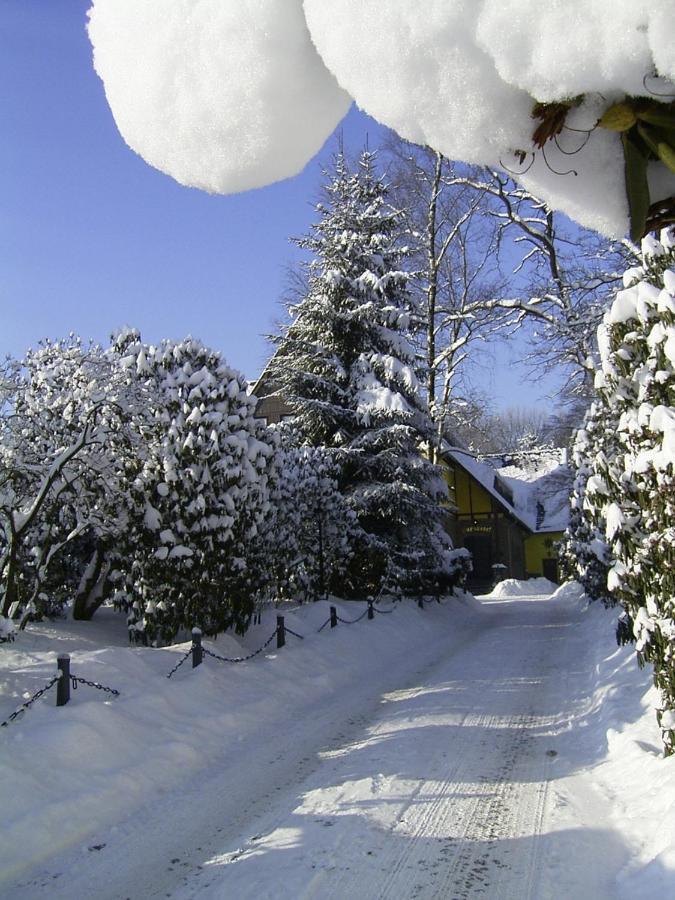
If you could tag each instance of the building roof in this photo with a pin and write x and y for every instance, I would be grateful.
(537, 497)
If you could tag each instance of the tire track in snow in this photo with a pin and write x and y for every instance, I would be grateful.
(477, 836)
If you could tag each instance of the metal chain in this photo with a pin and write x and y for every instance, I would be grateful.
(352, 621)
(384, 612)
(294, 633)
(24, 706)
(238, 659)
(180, 663)
(99, 687)
(324, 625)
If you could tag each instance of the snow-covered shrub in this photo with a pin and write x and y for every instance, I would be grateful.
(199, 494)
(306, 541)
(634, 479)
(64, 424)
(583, 552)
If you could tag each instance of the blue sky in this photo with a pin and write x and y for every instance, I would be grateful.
(92, 238)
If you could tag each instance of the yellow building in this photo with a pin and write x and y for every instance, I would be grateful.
(510, 523)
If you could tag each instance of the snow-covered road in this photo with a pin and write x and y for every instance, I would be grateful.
(438, 786)
(442, 793)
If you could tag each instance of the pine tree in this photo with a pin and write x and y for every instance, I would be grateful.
(347, 368)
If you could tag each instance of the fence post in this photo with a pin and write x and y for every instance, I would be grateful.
(196, 647)
(420, 602)
(63, 684)
(371, 614)
(333, 617)
(281, 632)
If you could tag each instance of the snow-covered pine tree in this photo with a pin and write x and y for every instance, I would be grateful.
(583, 552)
(199, 494)
(347, 368)
(635, 476)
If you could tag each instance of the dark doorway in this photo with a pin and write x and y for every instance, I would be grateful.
(550, 569)
(480, 548)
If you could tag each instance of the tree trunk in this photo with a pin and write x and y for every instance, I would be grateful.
(11, 594)
(92, 591)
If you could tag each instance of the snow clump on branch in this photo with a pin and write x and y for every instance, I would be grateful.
(222, 96)
(462, 77)
(228, 95)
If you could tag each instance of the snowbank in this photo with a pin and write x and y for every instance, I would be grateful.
(532, 587)
(633, 777)
(66, 773)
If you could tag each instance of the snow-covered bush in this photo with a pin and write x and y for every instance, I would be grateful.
(64, 430)
(583, 552)
(234, 93)
(199, 494)
(632, 484)
(306, 541)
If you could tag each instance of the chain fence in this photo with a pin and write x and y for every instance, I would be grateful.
(239, 659)
(353, 621)
(64, 678)
(36, 696)
(94, 684)
(180, 663)
(196, 650)
(294, 633)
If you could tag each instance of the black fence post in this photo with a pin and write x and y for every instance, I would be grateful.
(333, 617)
(371, 613)
(281, 632)
(63, 684)
(420, 602)
(196, 647)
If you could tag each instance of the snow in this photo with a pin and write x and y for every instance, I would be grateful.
(460, 76)
(223, 96)
(512, 587)
(233, 94)
(384, 758)
(541, 492)
(615, 49)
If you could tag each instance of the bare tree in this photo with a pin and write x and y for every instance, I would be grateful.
(493, 260)
(562, 278)
(456, 246)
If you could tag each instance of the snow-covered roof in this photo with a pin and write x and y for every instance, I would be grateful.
(537, 496)
(541, 494)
